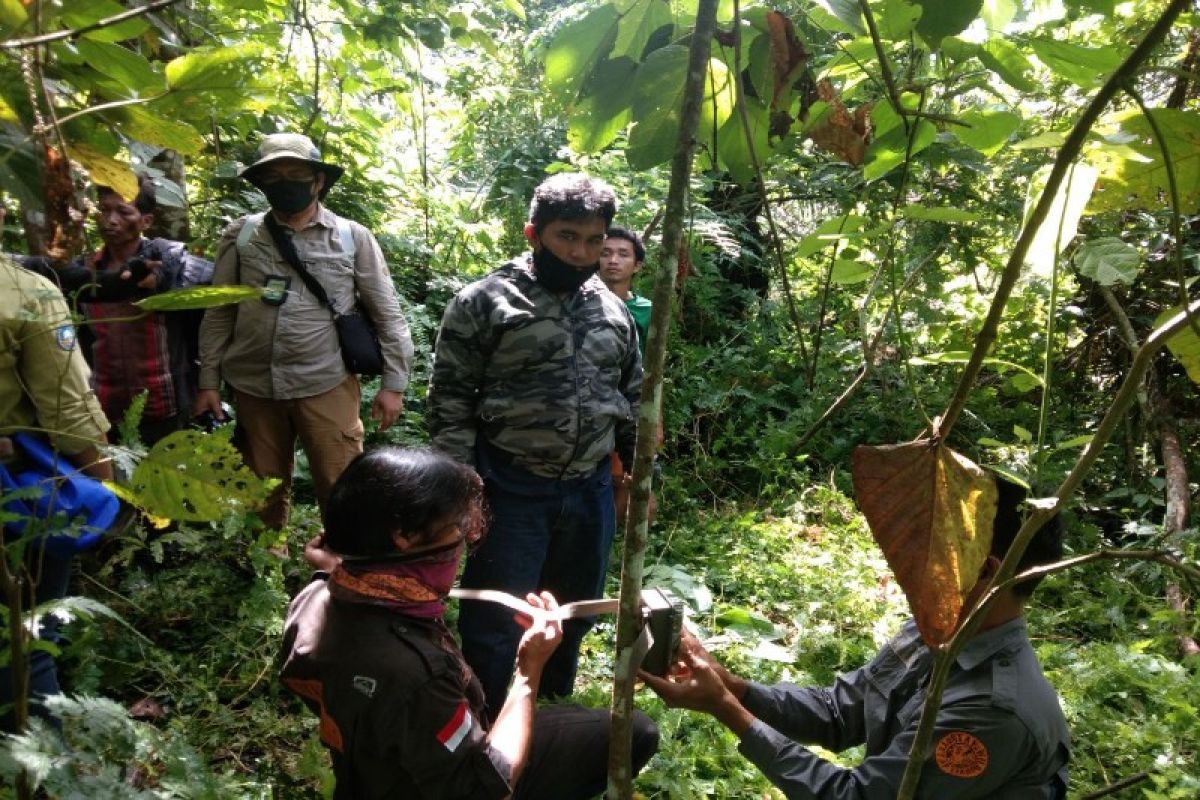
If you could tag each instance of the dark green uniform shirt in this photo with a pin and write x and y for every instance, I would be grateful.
(400, 711)
(1000, 732)
(640, 308)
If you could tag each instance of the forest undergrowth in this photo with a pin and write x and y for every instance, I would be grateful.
(791, 589)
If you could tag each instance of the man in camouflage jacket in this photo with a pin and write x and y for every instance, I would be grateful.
(535, 382)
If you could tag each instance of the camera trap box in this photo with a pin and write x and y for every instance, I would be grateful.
(662, 615)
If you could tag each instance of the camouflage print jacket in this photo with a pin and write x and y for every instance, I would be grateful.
(552, 383)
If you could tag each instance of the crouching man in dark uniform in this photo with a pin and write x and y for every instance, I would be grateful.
(366, 648)
(1000, 732)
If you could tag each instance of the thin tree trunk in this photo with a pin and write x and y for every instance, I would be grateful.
(620, 773)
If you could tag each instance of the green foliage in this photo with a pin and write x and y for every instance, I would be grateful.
(1108, 261)
(103, 753)
(198, 297)
(198, 477)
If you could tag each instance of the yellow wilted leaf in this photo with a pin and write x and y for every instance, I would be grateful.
(105, 170)
(931, 511)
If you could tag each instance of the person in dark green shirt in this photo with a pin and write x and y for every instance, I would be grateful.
(623, 257)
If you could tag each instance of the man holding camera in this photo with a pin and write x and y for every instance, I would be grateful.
(131, 351)
(280, 353)
(999, 733)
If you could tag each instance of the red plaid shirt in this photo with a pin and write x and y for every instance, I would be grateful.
(130, 354)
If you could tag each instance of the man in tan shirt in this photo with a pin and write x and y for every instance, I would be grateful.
(280, 353)
(44, 388)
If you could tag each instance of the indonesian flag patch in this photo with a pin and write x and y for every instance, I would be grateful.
(454, 731)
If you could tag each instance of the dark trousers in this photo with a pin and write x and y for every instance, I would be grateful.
(51, 568)
(568, 758)
(545, 535)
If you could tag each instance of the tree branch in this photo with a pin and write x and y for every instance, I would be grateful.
(1066, 157)
(620, 775)
(1041, 513)
(115, 19)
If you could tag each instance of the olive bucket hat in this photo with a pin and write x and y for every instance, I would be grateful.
(296, 146)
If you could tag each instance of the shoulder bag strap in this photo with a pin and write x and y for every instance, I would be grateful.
(287, 249)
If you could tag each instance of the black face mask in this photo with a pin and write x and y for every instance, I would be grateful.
(289, 197)
(557, 275)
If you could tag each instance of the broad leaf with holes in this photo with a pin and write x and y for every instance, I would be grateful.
(197, 477)
(931, 511)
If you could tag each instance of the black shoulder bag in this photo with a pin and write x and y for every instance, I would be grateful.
(355, 331)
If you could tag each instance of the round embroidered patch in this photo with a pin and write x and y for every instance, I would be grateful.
(962, 755)
(65, 336)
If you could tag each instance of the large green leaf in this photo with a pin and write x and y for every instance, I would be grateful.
(122, 64)
(997, 14)
(888, 151)
(942, 18)
(1184, 345)
(897, 19)
(12, 16)
(988, 131)
(847, 12)
(837, 229)
(1086, 67)
(1009, 62)
(1141, 181)
(104, 169)
(208, 68)
(142, 124)
(1108, 261)
(605, 109)
(81, 13)
(577, 48)
(658, 103)
(1062, 221)
(846, 272)
(198, 297)
(637, 25)
(731, 142)
(196, 477)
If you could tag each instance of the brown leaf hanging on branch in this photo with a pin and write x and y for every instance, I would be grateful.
(788, 55)
(931, 511)
(844, 134)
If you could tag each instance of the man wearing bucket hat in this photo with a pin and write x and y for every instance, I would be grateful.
(43, 386)
(280, 353)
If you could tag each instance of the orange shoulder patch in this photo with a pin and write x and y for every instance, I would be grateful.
(962, 755)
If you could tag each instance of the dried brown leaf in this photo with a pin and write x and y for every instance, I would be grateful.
(840, 133)
(931, 511)
(788, 55)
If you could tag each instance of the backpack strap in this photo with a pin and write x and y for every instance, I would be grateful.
(346, 236)
(248, 228)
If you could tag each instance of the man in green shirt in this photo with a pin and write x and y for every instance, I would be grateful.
(623, 257)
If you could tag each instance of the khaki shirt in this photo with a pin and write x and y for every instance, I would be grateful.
(44, 381)
(291, 350)
(1000, 732)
